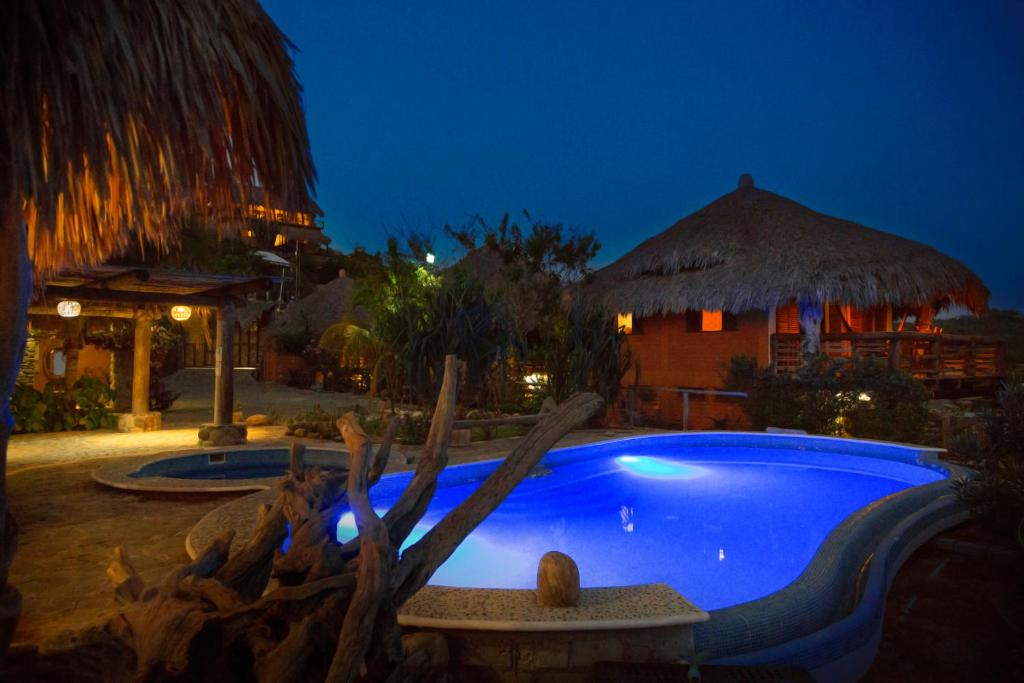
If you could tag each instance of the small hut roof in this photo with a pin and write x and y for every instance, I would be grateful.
(753, 249)
(326, 305)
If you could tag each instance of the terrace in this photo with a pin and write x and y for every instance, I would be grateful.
(942, 361)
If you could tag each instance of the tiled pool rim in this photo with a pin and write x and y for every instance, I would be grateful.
(827, 621)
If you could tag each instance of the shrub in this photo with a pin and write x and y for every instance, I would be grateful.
(996, 494)
(29, 409)
(862, 398)
(87, 405)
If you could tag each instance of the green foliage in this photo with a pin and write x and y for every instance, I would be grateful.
(996, 494)
(28, 409)
(87, 405)
(862, 398)
(584, 351)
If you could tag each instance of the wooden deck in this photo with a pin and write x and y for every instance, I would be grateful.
(932, 358)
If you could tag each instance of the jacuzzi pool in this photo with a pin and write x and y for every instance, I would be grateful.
(722, 520)
(241, 468)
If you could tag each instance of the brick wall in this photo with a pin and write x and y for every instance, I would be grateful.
(670, 356)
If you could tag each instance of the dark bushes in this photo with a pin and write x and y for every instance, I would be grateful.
(860, 398)
(87, 405)
(996, 494)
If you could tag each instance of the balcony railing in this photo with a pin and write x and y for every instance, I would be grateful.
(929, 357)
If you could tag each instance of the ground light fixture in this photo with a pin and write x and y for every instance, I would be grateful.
(181, 313)
(69, 309)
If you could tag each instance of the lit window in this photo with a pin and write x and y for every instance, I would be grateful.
(250, 233)
(625, 322)
(279, 240)
(711, 321)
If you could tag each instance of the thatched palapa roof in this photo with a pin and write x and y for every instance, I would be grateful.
(752, 249)
(123, 116)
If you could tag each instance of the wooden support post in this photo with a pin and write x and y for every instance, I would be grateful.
(140, 363)
(73, 334)
(224, 365)
(686, 410)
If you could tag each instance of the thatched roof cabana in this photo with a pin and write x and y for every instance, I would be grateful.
(753, 249)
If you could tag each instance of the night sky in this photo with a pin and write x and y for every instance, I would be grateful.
(622, 117)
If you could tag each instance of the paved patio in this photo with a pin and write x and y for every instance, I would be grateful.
(69, 525)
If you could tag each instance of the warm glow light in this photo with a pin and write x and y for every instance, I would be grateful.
(279, 240)
(711, 321)
(625, 323)
(181, 313)
(69, 309)
(431, 258)
(863, 397)
(536, 379)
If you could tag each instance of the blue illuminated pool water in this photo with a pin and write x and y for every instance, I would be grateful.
(722, 520)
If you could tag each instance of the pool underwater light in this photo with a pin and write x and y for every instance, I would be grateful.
(646, 466)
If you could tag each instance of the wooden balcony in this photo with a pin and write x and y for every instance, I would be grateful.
(932, 358)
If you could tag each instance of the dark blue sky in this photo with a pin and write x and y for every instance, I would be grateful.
(622, 117)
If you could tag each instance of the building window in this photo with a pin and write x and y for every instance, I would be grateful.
(624, 323)
(710, 321)
(787, 319)
(279, 240)
(56, 363)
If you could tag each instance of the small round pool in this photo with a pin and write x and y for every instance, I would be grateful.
(243, 468)
(722, 519)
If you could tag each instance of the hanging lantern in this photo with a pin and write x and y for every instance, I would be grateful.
(181, 313)
(69, 309)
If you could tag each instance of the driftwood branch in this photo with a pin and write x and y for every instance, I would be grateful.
(412, 504)
(333, 612)
(376, 557)
(421, 560)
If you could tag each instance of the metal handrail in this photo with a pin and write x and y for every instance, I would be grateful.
(685, 392)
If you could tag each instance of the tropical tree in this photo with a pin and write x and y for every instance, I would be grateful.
(117, 119)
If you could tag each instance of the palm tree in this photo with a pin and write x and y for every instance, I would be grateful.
(120, 117)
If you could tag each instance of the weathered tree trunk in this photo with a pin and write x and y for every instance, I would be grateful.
(15, 286)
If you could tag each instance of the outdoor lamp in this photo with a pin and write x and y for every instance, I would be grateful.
(431, 258)
(69, 309)
(181, 313)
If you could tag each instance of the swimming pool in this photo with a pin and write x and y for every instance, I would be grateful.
(789, 542)
(723, 523)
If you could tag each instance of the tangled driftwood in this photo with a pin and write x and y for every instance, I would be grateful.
(320, 610)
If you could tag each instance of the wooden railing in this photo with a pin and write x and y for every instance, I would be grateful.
(925, 356)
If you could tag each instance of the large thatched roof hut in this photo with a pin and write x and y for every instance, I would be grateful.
(754, 249)
(754, 273)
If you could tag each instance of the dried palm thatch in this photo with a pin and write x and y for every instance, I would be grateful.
(753, 249)
(119, 116)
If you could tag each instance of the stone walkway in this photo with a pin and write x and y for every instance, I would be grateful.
(195, 405)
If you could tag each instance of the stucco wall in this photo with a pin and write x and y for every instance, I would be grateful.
(670, 356)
